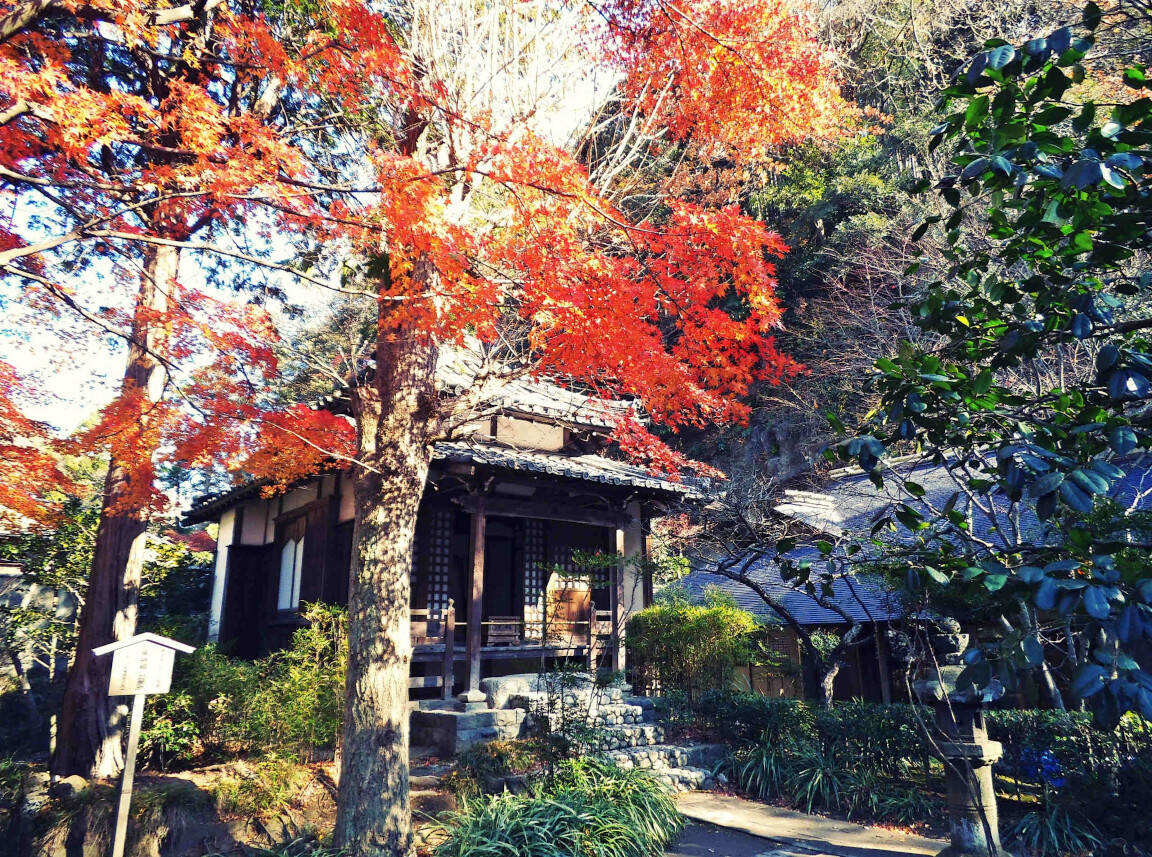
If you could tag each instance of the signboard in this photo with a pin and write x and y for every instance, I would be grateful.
(146, 668)
(140, 665)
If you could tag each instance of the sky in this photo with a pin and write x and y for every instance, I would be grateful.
(74, 370)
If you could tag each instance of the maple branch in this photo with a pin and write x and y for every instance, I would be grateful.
(70, 302)
(23, 16)
(26, 14)
(236, 254)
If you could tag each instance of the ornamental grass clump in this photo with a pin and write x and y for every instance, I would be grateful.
(588, 808)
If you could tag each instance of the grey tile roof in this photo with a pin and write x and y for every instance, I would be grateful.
(852, 504)
(580, 468)
(864, 599)
(585, 468)
(507, 389)
(530, 395)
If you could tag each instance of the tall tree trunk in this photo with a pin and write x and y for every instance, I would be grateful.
(90, 727)
(394, 421)
(828, 683)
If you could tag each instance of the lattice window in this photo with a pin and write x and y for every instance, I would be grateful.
(439, 563)
(535, 557)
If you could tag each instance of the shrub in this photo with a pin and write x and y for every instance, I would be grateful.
(906, 804)
(290, 702)
(883, 738)
(761, 770)
(589, 808)
(171, 733)
(1088, 779)
(483, 767)
(752, 717)
(11, 781)
(859, 758)
(820, 779)
(692, 648)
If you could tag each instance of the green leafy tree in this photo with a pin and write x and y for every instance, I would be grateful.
(1030, 379)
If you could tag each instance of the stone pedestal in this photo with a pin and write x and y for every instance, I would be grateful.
(968, 756)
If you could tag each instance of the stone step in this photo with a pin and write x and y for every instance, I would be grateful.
(589, 712)
(662, 757)
(685, 779)
(624, 736)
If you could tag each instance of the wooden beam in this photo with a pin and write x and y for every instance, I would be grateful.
(476, 602)
(544, 511)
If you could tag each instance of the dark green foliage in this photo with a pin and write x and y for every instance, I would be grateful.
(820, 777)
(1051, 832)
(761, 770)
(484, 767)
(1099, 780)
(305, 846)
(854, 757)
(752, 717)
(688, 647)
(1032, 373)
(883, 738)
(589, 808)
(173, 601)
(1060, 775)
(176, 586)
(11, 777)
(290, 702)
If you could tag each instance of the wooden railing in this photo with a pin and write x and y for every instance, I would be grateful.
(429, 629)
(439, 628)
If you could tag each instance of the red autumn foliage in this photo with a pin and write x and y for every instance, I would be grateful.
(30, 466)
(673, 305)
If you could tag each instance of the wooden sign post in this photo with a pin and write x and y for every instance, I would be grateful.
(140, 665)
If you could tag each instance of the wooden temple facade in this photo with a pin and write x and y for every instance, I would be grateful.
(529, 546)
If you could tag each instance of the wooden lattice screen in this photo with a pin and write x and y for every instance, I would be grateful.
(439, 565)
(535, 556)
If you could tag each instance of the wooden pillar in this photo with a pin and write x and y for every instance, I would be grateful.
(476, 601)
(614, 593)
(628, 591)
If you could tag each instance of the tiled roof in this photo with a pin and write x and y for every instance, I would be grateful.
(509, 389)
(587, 468)
(581, 468)
(852, 504)
(864, 599)
(530, 395)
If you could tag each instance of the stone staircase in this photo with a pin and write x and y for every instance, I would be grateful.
(606, 721)
(625, 729)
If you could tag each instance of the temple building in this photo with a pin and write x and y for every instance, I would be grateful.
(530, 545)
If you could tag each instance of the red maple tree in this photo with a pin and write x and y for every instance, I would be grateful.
(431, 152)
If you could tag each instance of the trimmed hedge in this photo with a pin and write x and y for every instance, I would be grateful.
(688, 648)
